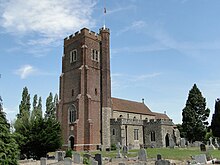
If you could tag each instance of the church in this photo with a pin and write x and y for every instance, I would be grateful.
(90, 117)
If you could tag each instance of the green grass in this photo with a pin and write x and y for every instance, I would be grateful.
(167, 153)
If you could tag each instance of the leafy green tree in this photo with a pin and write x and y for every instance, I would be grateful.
(24, 106)
(215, 124)
(36, 135)
(8, 147)
(50, 109)
(195, 115)
(180, 128)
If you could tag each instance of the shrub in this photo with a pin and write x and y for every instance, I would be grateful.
(69, 153)
(113, 147)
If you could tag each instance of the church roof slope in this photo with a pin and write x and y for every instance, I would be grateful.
(160, 115)
(130, 106)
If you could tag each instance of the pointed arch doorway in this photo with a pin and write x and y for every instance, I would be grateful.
(71, 141)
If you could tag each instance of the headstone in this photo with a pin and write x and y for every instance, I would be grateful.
(125, 150)
(142, 155)
(211, 146)
(92, 161)
(76, 157)
(118, 150)
(183, 142)
(67, 161)
(201, 159)
(202, 147)
(216, 143)
(121, 163)
(159, 157)
(98, 158)
(171, 142)
(162, 162)
(43, 161)
(59, 155)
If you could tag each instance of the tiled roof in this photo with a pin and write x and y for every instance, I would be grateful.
(130, 106)
(160, 116)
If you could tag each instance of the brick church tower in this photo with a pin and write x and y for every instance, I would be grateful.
(84, 109)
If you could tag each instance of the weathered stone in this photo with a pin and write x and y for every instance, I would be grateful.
(183, 142)
(201, 159)
(162, 162)
(67, 161)
(142, 155)
(77, 158)
(59, 155)
(98, 158)
(43, 161)
(202, 147)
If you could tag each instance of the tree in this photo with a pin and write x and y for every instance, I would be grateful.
(194, 115)
(8, 147)
(37, 135)
(215, 124)
(50, 109)
(24, 106)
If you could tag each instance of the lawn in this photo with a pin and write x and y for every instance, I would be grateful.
(167, 153)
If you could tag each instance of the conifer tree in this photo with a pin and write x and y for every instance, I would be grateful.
(24, 107)
(194, 115)
(50, 112)
(8, 147)
(215, 125)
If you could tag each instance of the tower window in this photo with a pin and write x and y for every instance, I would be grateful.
(96, 91)
(73, 56)
(136, 134)
(72, 92)
(152, 136)
(72, 114)
(95, 55)
(113, 131)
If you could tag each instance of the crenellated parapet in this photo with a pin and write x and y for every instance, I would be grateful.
(159, 122)
(80, 34)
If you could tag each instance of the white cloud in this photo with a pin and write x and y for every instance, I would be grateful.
(49, 20)
(25, 71)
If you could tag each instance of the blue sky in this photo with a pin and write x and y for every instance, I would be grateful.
(159, 48)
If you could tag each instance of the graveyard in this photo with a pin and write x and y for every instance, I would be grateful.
(163, 156)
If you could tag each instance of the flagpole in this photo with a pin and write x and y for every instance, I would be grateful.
(104, 14)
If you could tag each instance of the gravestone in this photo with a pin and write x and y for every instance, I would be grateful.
(43, 161)
(211, 146)
(142, 155)
(171, 142)
(159, 157)
(121, 163)
(202, 147)
(162, 162)
(201, 159)
(118, 150)
(77, 158)
(92, 161)
(183, 142)
(59, 155)
(216, 143)
(98, 158)
(125, 150)
(67, 161)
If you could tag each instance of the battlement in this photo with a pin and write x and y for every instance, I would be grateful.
(124, 121)
(82, 33)
(160, 122)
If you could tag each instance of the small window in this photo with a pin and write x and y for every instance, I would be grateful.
(72, 92)
(73, 56)
(72, 114)
(95, 55)
(113, 131)
(136, 134)
(128, 115)
(96, 91)
(152, 136)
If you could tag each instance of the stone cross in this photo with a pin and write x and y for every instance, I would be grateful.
(118, 149)
(210, 139)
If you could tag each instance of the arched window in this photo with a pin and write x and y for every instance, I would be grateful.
(120, 116)
(113, 131)
(72, 114)
(152, 136)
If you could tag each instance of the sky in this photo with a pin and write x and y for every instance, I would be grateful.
(159, 48)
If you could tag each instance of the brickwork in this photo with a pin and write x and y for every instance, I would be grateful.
(85, 84)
